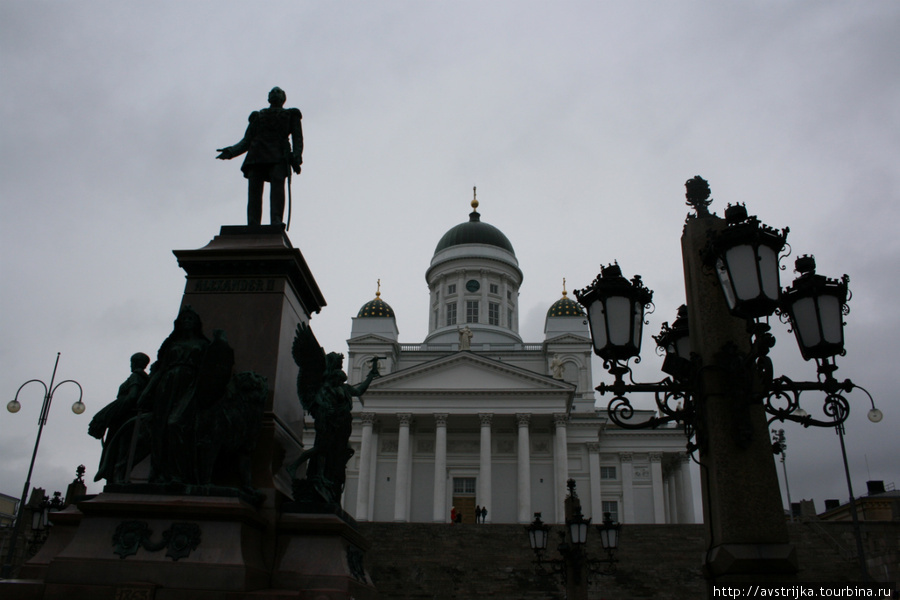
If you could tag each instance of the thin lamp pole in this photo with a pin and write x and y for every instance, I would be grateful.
(42, 420)
(779, 440)
(787, 487)
(853, 514)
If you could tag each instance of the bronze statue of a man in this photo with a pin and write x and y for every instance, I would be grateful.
(111, 421)
(269, 155)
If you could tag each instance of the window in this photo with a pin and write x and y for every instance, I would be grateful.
(611, 507)
(494, 288)
(508, 294)
(493, 313)
(437, 319)
(471, 311)
(465, 485)
(451, 289)
(607, 472)
(451, 314)
(509, 318)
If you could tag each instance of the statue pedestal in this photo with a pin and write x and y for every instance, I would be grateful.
(254, 285)
(179, 542)
(130, 545)
(321, 552)
(173, 547)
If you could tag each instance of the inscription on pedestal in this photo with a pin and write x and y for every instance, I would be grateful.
(234, 285)
(135, 593)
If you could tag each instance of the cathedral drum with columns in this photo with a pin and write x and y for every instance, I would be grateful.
(475, 417)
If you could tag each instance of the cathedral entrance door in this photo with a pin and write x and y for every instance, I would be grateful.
(466, 506)
(464, 497)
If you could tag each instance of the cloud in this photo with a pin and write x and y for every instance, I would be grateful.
(578, 124)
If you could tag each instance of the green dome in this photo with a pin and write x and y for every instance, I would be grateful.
(376, 308)
(565, 307)
(474, 232)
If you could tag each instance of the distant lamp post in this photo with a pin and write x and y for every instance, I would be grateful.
(576, 566)
(538, 536)
(14, 407)
(609, 536)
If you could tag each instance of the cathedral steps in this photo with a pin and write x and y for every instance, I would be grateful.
(443, 561)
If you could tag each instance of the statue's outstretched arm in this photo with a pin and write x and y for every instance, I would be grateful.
(373, 373)
(242, 146)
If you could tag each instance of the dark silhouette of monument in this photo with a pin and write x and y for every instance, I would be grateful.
(269, 155)
(199, 500)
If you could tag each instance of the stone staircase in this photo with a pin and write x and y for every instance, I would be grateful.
(442, 561)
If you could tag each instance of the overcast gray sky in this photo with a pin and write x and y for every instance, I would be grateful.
(578, 121)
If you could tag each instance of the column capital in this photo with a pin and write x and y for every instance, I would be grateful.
(485, 419)
(440, 419)
(683, 457)
(655, 457)
(368, 418)
(560, 419)
(625, 457)
(523, 419)
(405, 419)
(593, 447)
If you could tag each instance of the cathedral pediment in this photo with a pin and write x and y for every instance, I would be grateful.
(369, 338)
(568, 338)
(466, 371)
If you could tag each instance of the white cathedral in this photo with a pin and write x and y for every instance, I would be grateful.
(474, 416)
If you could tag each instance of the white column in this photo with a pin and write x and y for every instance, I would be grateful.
(593, 449)
(373, 477)
(484, 467)
(561, 463)
(401, 486)
(686, 500)
(656, 482)
(440, 469)
(524, 471)
(627, 488)
(461, 298)
(671, 495)
(365, 474)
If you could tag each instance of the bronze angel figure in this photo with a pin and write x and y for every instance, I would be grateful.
(325, 394)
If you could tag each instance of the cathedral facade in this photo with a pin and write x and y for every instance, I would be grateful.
(474, 416)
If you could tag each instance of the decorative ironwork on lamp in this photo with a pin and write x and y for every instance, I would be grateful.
(745, 256)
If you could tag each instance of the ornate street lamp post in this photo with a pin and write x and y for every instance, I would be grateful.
(721, 386)
(14, 407)
(576, 566)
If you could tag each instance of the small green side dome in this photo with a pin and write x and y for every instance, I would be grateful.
(377, 307)
(565, 306)
(474, 232)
